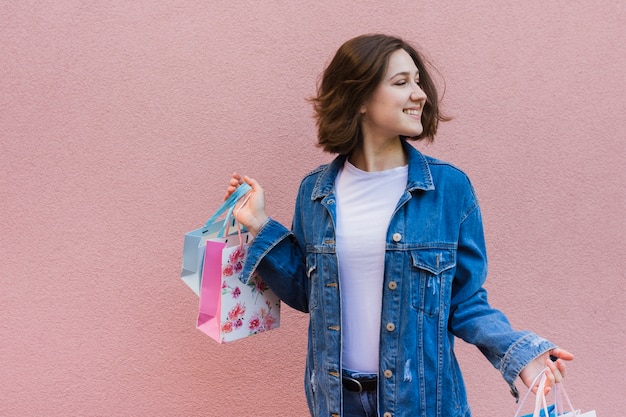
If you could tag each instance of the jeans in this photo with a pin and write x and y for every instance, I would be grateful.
(359, 404)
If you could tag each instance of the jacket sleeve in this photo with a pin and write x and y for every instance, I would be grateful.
(278, 257)
(474, 320)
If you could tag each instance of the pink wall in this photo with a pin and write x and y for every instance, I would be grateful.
(121, 121)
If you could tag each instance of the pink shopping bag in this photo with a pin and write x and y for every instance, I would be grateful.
(229, 309)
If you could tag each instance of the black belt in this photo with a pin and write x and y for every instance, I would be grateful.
(359, 384)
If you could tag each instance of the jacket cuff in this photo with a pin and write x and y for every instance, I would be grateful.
(520, 355)
(270, 233)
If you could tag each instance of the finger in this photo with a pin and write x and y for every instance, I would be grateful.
(562, 354)
(561, 367)
(554, 374)
(550, 381)
(229, 190)
(235, 181)
(252, 183)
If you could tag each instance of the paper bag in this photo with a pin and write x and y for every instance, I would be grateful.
(562, 406)
(229, 309)
(195, 241)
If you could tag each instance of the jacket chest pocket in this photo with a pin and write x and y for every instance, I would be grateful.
(431, 278)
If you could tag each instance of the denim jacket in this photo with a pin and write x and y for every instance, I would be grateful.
(435, 268)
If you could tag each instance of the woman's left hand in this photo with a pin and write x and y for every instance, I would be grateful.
(555, 371)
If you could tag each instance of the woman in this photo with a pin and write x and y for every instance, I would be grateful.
(386, 251)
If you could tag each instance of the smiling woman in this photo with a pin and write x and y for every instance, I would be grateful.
(394, 109)
(350, 80)
(386, 252)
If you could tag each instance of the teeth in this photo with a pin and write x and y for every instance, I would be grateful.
(412, 112)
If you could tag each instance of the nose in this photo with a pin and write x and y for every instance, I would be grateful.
(418, 94)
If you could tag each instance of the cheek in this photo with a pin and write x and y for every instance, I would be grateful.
(383, 107)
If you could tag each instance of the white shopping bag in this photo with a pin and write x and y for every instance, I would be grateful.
(562, 406)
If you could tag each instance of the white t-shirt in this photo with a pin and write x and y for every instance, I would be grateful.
(365, 204)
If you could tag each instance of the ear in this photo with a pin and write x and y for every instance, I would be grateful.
(362, 109)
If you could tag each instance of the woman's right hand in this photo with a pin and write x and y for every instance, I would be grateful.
(250, 209)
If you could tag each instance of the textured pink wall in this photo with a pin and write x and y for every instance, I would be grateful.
(121, 121)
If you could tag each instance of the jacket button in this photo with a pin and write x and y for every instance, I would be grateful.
(387, 414)
(388, 373)
(391, 327)
(396, 237)
(392, 285)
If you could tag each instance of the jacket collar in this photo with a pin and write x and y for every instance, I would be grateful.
(419, 177)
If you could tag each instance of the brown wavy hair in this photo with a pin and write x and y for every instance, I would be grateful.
(350, 80)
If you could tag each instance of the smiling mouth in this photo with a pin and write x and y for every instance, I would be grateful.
(411, 112)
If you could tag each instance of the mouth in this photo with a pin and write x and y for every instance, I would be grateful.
(412, 112)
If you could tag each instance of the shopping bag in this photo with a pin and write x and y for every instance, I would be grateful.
(195, 241)
(562, 406)
(229, 309)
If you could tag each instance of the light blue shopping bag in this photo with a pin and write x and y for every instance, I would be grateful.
(195, 241)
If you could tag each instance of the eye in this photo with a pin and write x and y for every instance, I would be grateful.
(401, 82)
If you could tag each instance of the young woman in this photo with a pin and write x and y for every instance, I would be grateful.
(386, 251)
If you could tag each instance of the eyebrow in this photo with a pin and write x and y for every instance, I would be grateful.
(405, 73)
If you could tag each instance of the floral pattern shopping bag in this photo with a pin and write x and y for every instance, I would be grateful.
(230, 310)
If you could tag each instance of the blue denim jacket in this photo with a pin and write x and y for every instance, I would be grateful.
(435, 268)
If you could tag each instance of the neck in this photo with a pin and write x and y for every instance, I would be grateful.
(373, 157)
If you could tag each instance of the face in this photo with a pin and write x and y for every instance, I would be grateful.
(395, 108)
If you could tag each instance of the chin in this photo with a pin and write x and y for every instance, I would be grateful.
(415, 132)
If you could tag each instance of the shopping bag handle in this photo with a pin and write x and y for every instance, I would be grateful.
(225, 230)
(541, 401)
(229, 205)
(540, 398)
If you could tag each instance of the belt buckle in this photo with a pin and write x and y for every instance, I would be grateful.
(355, 381)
